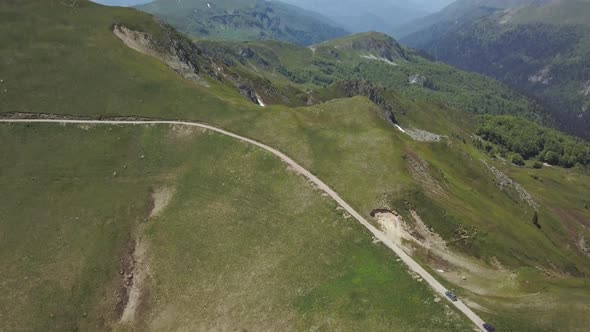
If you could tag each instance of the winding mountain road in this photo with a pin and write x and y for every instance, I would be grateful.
(409, 261)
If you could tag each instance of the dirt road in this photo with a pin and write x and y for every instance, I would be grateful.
(411, 263)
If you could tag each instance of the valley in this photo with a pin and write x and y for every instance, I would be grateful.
(540, 49)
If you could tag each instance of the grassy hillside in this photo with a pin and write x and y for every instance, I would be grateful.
(251, 233)
(511, 266)
(245, 20)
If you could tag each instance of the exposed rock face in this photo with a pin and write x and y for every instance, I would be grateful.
(187, 58)
(417, 80)
(246, 87)
(371, 91)
(543, 77)
(586, 89)
(177, 55)
(247, 52)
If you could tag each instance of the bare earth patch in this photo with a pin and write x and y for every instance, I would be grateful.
(136, 282)
(183, 133)
(161, 197)
(455, 267)
(86, 127)
(395, 228)
(135, 267)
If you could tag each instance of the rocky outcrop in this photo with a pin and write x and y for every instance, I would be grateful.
(371, 91)
(504, 182)
(246, 52)
(178, 55)
(197, 61)
(586, 89)
(417, 80)
(422, 135)
(188, 59)
(542, 77)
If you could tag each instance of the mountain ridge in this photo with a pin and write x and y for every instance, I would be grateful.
(245, 20)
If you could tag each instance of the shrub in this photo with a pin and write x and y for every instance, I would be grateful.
(551, 158)
(517, 159)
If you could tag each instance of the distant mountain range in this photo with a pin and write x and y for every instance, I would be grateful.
(542, 48)
(241, 20)
(370, 15)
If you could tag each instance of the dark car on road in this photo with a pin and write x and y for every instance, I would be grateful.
(489, 327)
(451, 296)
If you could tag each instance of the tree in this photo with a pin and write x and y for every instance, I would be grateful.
(551, 157)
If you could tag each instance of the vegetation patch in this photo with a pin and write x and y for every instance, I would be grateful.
(531, 141)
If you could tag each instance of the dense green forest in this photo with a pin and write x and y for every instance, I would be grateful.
(528, 140)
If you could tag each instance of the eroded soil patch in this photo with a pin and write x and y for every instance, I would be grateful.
(160, 198)
(132, 295)
(417, 237)
(135, 282)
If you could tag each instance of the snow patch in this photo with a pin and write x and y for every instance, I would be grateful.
(400, 128)
(259, 101)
